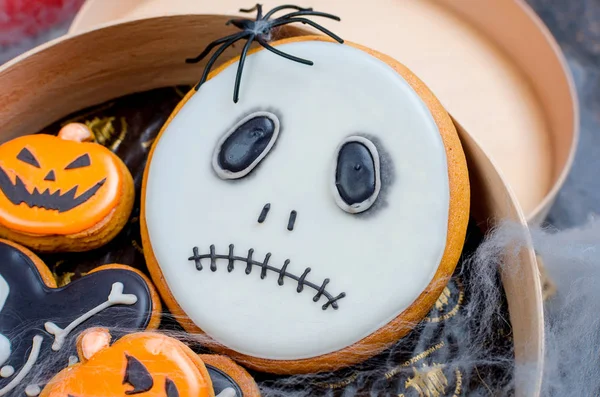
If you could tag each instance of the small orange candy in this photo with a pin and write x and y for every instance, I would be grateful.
(76, 132)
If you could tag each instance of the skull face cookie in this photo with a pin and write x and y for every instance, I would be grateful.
(313, 222)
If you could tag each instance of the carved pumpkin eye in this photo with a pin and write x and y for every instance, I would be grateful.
(79, 162)
(245, 145)
(171, 388)
(137, 376)
(357, 180)
(27, 157)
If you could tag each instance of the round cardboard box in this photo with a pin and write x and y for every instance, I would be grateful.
(86, 69)
(492, 63)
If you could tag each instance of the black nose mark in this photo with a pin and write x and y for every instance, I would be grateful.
(264, 213)
(292, 220)
(50, 176)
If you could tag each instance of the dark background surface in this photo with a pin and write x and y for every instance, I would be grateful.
(576, 26)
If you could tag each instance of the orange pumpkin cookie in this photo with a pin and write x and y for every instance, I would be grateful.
(306, 205)
(62, 193)
(147, 363)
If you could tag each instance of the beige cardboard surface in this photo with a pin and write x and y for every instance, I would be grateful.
(490, 91)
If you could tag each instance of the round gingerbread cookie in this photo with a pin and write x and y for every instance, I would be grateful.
(312, 221)
(144, 363)
(62, 193)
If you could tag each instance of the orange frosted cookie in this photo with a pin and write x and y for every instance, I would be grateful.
(146, 363)
(62, 193)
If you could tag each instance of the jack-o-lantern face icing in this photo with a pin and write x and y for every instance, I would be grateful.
(145, 364)
(39, 322)
(50, 185)
(322, 213)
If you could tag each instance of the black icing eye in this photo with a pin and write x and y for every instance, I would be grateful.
(79, 162)
(357, 180)
(137, 376)
(171, 388)
(245, 145)
(27, 157)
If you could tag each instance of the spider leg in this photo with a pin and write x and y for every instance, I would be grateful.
(284, 7)
(216, 55)
(256, 6)
(309, 13)
(238, 77)
(258, 12)
(274, 50)
(212, 45)
(311, 23)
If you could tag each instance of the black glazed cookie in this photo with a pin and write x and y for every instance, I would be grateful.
(39, 323)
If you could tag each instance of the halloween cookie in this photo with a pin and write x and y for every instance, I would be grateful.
(313, 220)
(149, 364)
(62, 193)
(39, 322)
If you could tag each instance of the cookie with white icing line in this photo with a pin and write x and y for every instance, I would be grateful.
(322, 214)
(39, 321)
(62, 193)
(148, 364)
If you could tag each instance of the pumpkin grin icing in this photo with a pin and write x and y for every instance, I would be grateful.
(51, 186)
(17, 193)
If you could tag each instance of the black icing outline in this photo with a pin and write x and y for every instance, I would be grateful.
(137, 376)
(260, 30)
(387, 176)
(228, 175)
(79, 162)
(171, 388)
(292, 220)
(231, 258)
(27, 157)
(263, 214)
(17, 193)
(375, 161)
(50, 176)
(216, 374)
(252, 110)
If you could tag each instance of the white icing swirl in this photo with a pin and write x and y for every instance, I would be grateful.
(6, 371)
(4, 342)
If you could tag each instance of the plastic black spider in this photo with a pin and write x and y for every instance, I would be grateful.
(259, 30)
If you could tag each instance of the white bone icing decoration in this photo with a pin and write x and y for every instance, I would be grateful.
(33, 356)
(116, 297)
(229, 392)
(382, 258)
(4, 342)
(7, 371)
(32, 390)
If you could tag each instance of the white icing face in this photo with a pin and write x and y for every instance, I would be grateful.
(4, 342)
(381, 255)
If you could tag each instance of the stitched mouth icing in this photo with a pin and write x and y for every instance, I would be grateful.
(265, 267)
